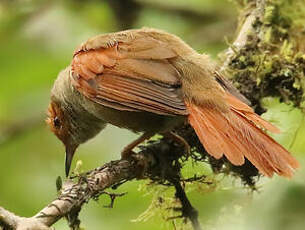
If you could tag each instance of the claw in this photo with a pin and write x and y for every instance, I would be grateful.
(127, 151)
(178, 139)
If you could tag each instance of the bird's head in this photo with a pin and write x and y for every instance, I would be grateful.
(60, 125)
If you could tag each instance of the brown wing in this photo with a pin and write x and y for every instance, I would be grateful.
(119, 78)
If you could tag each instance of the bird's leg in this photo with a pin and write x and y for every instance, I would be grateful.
(178, 139)
(127, 151)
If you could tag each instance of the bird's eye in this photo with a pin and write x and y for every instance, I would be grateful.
(57, 123)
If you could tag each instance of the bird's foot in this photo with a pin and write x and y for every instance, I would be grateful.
(127, 153)
(128, 150)
(142, 165)
(180, 140)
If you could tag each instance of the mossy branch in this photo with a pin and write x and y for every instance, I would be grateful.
(268, 56)
(155, 161)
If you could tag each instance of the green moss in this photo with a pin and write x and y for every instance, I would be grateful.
(268, 35)
(271, 14)
(270, 64)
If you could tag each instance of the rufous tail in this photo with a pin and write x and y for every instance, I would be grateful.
(238, 134)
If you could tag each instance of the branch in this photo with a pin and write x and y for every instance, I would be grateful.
(254, 11)
(149, 163)
(9, 219)
(267, 58)
(187, 209)
(75, 194)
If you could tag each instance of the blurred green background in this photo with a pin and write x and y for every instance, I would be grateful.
(37, 39)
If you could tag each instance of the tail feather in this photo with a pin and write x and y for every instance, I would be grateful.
(248, 114)
(237, 134)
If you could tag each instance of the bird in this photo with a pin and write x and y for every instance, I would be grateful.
(150, 82)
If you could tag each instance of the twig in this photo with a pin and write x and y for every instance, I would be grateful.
(188, 211)
(75, 194)
(255, 11)
(9, 218)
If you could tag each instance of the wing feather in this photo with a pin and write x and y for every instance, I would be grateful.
(122, 77)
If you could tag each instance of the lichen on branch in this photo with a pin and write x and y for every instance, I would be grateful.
(272, 61)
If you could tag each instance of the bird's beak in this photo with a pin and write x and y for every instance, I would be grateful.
(70, 150)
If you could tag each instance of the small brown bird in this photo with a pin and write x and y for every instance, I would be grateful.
(150, 81)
